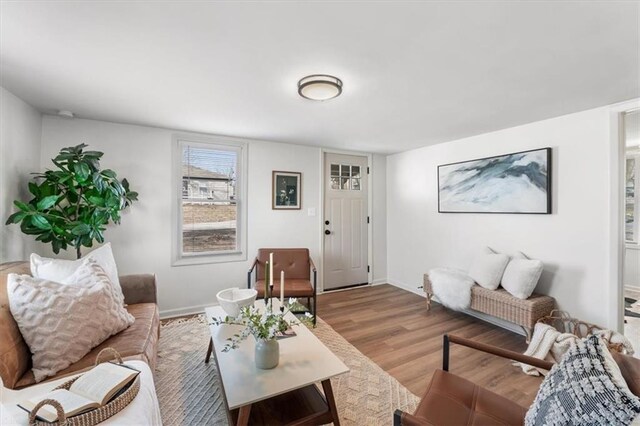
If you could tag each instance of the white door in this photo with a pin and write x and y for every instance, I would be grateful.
(345, 221)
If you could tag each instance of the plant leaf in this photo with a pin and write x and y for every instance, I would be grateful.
(109, 173)
(81, 229)
(47, 202)
(15, 218)
(23, 206)
(33, 188)
(40, 222)
(82, 171)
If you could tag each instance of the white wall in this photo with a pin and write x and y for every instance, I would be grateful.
(572, 241)
(142, 243)
(379, 222)
(20, 135)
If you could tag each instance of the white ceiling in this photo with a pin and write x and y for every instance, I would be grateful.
(414, 73)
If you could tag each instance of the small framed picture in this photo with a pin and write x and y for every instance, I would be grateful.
(287, 190)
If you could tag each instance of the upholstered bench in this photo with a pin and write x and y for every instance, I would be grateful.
(500, 304)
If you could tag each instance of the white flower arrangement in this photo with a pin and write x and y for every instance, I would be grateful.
(264, 324)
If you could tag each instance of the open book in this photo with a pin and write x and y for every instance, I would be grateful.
(92, 390)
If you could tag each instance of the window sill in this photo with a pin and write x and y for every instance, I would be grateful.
(632, 246)
(210, 259)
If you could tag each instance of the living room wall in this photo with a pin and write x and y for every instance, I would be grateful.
(20, 135)
(572, 242)
(142, 243)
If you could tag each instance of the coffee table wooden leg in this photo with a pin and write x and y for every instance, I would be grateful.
(328, 394)
(209, 351)
(243, 415)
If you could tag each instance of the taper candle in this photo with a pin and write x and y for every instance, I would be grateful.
(266, 281)
(282, 288)
(271, 269)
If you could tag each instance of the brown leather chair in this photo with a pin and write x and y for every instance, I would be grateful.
(298, 268)
(452, 400)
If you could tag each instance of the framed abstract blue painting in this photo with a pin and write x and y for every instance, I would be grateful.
(510, 183)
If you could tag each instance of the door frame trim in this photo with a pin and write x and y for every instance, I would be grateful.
(369, 156)
(616, 243)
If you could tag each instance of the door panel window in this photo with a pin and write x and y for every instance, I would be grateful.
(345, 177)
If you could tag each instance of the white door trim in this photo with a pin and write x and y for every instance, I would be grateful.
(616, 199)
(369, 156)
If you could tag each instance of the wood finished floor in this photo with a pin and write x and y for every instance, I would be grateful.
(393, 328)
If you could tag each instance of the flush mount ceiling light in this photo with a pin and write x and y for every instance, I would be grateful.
(319, 87)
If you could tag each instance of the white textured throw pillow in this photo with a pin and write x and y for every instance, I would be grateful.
(521, 276)
(61, 323)
(487, 268)
(62, 270)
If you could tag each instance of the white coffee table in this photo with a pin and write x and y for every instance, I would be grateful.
(304, 361)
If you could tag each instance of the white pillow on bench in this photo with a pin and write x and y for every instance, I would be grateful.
(521, 276)
(487, 268)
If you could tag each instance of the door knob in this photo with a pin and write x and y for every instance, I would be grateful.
(327, 232)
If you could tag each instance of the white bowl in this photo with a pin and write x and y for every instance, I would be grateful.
(232, 299)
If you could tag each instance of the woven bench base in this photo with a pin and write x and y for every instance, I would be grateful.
(500, 304)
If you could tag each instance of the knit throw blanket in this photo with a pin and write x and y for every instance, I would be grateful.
(549, 344)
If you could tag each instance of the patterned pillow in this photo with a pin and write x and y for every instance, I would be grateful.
(61, 323)
(586, 387)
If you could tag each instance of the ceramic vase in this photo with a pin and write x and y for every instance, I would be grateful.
(267, 353)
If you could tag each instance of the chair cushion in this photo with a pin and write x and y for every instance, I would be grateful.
(293, 261)
(453, 400)
(292, 288)
(139, 341)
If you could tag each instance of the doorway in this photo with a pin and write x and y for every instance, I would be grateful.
(631, 223)
(345, 220)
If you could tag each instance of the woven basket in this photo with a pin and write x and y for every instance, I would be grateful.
(92, 417)
(565, 323)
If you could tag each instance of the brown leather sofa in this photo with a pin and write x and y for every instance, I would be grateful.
(452, 400)
(139, 341)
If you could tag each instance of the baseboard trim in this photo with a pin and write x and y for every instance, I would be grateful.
(379, 281)
(190, 310)
(479, 315)
(413, 289)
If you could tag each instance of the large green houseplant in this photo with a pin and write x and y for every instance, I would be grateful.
(73, 204)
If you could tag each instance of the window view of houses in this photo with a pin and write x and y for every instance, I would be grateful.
(208, 200)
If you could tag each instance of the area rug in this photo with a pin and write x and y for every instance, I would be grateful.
(189, 391)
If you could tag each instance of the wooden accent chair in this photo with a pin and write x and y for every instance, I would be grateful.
(298, 268)
(452, 400)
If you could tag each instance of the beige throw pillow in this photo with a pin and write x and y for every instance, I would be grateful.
(61, 323)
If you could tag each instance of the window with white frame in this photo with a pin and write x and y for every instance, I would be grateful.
(210, 216)
(632, 198)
